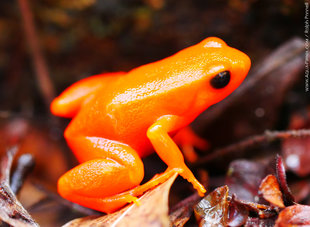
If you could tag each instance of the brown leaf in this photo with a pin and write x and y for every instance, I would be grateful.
(37, 140)
(281, 176)
(297, 215)
(180, 217)
(295, 150)
(270, 190)
(11, 210)
(257, 222)
(181, 212)
(238, 213)
(296, 155)
(243, 179)
(153, 211)
(213, 209)
(300, 190)
(260, 210)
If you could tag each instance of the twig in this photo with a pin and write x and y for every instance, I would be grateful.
(268, 136)
(6, 164)
(25, 165)
(39, 64)
(11, 211)
(288, 197)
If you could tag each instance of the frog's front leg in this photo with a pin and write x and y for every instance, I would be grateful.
(108, 168)
(168, 151)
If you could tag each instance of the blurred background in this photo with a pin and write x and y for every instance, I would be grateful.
(85, 37)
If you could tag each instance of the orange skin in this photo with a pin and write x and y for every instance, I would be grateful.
(120, 117)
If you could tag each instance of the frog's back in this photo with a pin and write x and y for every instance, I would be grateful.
(156, 88)
(130, 104)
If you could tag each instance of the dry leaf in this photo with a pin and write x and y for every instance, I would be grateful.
(11, 210)
(180, 217)
(295, 150)
(238, 213)
(296, 155)
(297, 215)
(260, 210)
(281, 176)
(243, 179)
(213, 209)
(255, 222)
(153, 211)
(270, 190)
(38, 141)
(300, 190)
(181, 212)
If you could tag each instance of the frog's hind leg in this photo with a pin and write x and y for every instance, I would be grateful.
(187, 139)
(108, 168)
(68, 103)
(114, 202)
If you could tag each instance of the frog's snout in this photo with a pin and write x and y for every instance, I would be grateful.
(241, 64)
(246, 63)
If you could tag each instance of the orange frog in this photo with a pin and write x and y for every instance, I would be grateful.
(118, 118)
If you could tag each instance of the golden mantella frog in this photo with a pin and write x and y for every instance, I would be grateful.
(118, 118)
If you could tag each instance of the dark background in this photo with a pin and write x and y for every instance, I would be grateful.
(86, 37)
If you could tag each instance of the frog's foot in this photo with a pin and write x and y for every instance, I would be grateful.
(116, 201)
(189, 176)
(108, 204)
(188, 140)
(156, 180)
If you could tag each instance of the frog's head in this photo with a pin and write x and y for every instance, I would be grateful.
(223, 68)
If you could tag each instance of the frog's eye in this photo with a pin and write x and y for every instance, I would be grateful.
(220, 80)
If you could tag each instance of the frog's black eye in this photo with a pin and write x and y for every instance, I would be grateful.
(220, 80)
